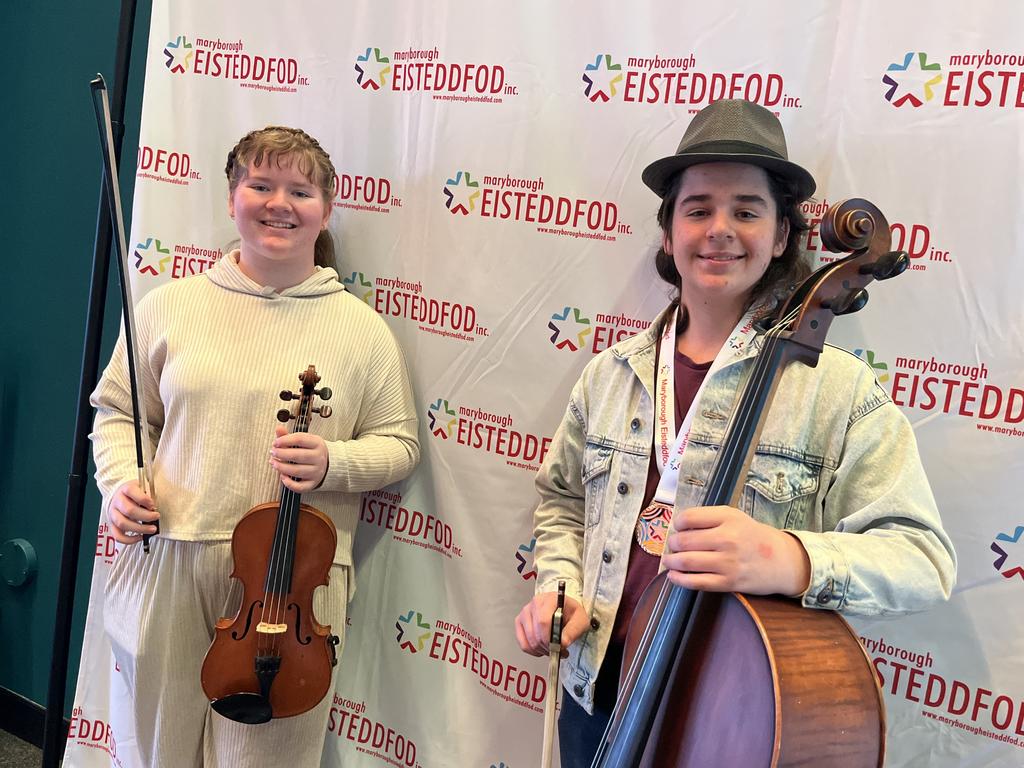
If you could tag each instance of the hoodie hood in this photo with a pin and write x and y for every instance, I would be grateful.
(228, 275)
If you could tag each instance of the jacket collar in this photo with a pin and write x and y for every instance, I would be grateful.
(639, 351)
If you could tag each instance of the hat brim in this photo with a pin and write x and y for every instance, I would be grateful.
(659, 174)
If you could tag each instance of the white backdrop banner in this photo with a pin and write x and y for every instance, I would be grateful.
(489, 206)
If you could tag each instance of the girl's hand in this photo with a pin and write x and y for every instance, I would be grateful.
(131, 513)
(300, 458)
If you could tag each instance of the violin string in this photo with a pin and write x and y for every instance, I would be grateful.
(276, 597)
(289, 526)
(269, 601)
(760, 371)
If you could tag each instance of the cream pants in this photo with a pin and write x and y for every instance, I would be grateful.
(159, 614)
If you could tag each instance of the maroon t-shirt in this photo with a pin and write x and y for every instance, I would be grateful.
(643, 567)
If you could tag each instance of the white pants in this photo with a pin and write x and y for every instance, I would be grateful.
(159, 613)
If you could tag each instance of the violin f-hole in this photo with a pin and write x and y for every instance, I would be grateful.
(298, 621)
(248, 620)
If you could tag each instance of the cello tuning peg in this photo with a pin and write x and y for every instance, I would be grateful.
(323, 410)
(324, 393)
(888, 265)
(286, 395)
(284, 415)
(853, 301)
(891, 264)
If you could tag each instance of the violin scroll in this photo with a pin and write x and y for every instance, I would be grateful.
(309, 379)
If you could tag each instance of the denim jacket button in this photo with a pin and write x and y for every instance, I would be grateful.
(578, 689)
(595, 624)
(606, 556)
(824, 596)
(634, 424)
(622, 488)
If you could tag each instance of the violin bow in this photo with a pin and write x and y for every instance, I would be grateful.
(143, 449)
(554, 661)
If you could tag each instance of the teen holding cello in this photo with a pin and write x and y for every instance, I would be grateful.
(838, 513)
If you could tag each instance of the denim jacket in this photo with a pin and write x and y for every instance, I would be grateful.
(836, 464)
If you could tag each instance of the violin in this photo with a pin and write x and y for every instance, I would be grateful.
(730, 679)
(273, 659)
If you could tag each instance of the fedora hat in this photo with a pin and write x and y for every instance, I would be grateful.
(731, 131)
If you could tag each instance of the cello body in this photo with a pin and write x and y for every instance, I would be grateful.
(769, 683)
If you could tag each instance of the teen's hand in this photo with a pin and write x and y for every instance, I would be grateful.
(721, 549)
(533, 624)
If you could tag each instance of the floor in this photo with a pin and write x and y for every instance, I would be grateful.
(15, 753)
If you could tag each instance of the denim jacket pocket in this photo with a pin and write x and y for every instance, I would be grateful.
(780, 490)
(597, 461)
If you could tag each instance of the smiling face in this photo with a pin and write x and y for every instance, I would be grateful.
(724, 234)
(279, 213)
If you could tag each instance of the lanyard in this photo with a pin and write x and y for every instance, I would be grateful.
(668, 450)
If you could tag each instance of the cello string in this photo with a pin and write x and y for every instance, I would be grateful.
(745, 411)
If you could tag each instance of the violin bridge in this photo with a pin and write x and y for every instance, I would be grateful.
(271, 629)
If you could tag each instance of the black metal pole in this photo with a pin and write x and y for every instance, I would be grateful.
(54, 736)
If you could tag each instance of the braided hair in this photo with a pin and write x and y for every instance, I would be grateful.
(280, 143)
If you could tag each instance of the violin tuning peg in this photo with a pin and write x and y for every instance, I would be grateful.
(284, 415)
(324, 393)
(324, 411)
(286, 395)
(853, 301)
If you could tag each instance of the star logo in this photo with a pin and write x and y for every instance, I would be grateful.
(442, 419)
(150, 258)
(1009, 568)
(521, 553)
(566, 333)
(880, 369)
(358, 285)
(914, 85)
(461, 193)
(179, 55)
(372, 69)
(412, 633)
(601, 77)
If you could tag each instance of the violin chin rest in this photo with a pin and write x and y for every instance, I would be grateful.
(248, 708)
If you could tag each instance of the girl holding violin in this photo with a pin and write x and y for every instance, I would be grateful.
(837, 512)
(216, 350)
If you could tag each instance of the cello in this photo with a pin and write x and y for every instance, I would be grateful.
(727, 679)
(273, 659)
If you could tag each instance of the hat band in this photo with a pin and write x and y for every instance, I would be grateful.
(730, 148)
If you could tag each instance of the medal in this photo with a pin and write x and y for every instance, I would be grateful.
(652, 528)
